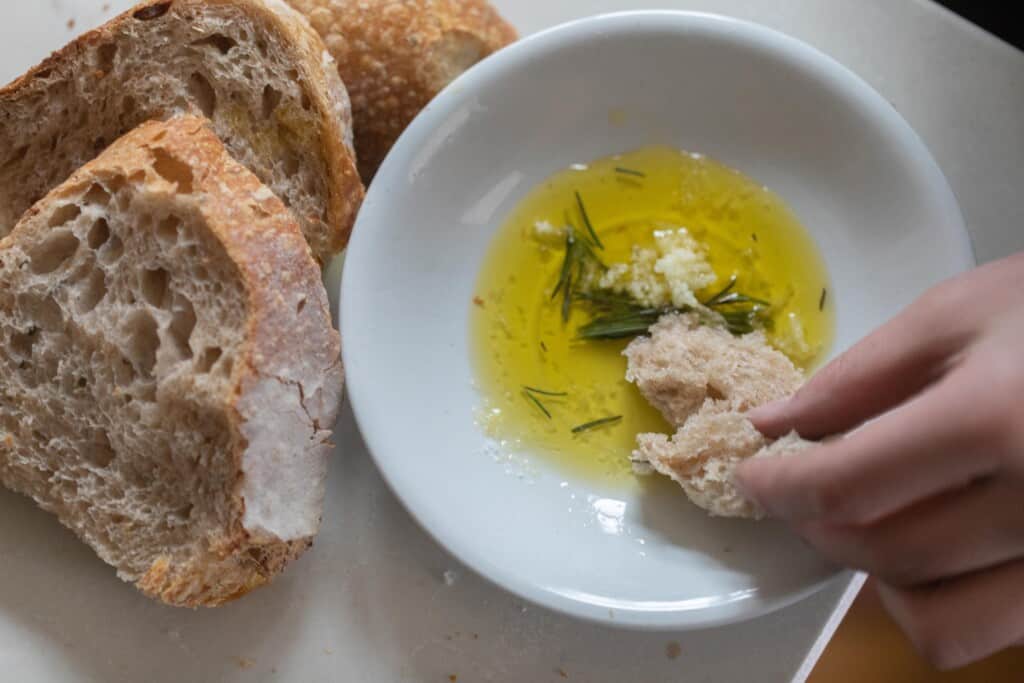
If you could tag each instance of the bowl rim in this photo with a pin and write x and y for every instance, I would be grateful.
(514, 57)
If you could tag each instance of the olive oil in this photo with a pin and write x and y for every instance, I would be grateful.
(519, 337)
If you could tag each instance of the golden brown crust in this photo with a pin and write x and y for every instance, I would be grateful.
(266, 244)
(327, 97)
(396, 55)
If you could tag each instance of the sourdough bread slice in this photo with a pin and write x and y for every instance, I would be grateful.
(254, 68)
(396, 56)
(169, 373)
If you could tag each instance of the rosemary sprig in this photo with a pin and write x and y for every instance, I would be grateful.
(722, 294)
(823, 300)
(536, 401)
(579, 261)
(542, 392)
(596, 423)
(567, 263)
(742, 313)
(621, 325)
(735, 298)
(586, 222)
(630, 171)
(567, 299)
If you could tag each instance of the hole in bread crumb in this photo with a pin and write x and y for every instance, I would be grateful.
(261, 47)
(185, 512)
(45, 311)
(53, 252)
(127, 106)
(271, 98)
(219, 41)
(124, 374)
(100, 452)
(18, 156)
(105, 57)
(99, 144)
(146, 392)
(97, 194)
(307, 103)
(82, 383)
(92, 291)
(291, 163)
(112, 250)
(99, 233)
(116, 183)
(22, 343)
(172, 169)
(143, 341)
(152, 12)
(227, 364)
(208, 359)
(154, 287)
(167, 230)
(64, 214)
(203, 93)
(182, 324)
(301, 305)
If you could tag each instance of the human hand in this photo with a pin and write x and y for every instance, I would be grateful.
(926, 489)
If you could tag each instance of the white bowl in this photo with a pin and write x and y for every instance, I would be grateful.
(785, 114)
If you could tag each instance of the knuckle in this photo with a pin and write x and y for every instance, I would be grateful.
(873, 553)
(942, 649)
(934, 637)
(829, 499)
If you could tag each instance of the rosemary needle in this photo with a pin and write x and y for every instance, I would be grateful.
(596, 423)
(587, 223)
(630, 171)
(824, 298)
(536, 401)
(542, 392)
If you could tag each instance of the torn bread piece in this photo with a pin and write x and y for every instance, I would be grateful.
(703, 379)
(703, 453)
(255, 68)
(684, 362)
(169, 373)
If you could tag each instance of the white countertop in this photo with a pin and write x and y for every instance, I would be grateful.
(377, 600)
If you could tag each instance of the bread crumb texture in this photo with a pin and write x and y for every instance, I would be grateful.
(703, 379)
(156, 310)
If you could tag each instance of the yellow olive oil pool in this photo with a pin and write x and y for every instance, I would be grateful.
(519, 337)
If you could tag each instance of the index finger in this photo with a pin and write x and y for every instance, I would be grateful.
(935, 443)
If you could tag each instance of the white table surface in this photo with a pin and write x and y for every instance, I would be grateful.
(377, 600)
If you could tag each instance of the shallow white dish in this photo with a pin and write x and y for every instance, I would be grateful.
(853, 170)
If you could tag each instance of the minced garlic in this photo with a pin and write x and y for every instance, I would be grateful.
(669, 274)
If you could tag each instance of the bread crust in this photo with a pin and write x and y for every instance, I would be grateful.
(289, 341)
(395, 56)
(317, 72)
